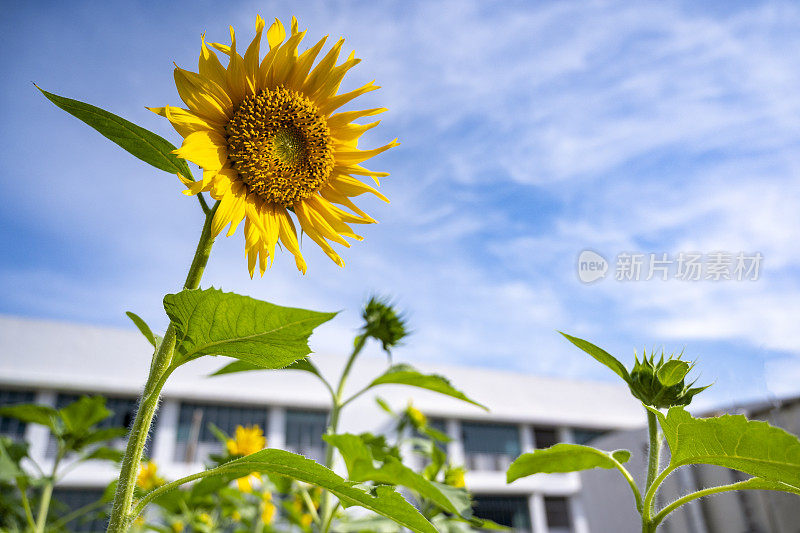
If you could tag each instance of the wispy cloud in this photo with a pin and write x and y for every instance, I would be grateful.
(530, 132)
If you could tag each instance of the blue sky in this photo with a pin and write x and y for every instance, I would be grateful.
(530, 132)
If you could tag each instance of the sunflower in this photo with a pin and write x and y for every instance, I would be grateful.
(267, 137)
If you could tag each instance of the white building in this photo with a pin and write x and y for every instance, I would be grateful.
(50, 363)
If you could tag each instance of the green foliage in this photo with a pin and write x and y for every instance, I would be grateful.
(381, 499)
(244, 366)
(212, 322)
(732, 441)
(600, 354)
(660, 384)
(361, 467)
(137, 141)
(403, 374)
(143, 327)
(564, 457)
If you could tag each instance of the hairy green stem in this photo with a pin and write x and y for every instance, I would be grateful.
(741, 485)
(160, 368)
(336, 409)
(653, 464)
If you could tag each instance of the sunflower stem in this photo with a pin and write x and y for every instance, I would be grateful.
(160, 368)
(336, 409)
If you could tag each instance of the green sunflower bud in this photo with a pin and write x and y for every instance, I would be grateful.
(383, 323)
(662, 384)
(659, 384)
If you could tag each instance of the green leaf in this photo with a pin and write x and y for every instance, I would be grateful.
(382, 500)
(757, 483)
(600, 354)
(139, 142)
(32, 414)
(104, 453)
(143, 327)
(212, 322)
(9, 468)
(82, 414)
(732, 441)
(407, 375)
(244, 366)
(672, 372)
(564, 457)
(361, 467)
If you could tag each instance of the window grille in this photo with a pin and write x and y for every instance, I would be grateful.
(490, 446)
(304, 430)
(556, 509)
(67, 499)
(196, 440)
(509, 511)
(11, 427)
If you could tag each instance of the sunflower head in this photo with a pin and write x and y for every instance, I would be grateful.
(272, 146)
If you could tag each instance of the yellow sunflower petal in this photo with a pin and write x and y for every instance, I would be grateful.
(300, 70)
(230, 208)
(334, 80)
(351, 157)
(235, 74)
(334, 196)
(209, 66)
(344, 118)
(350, 133)
(276, 34)
(310, 219)
(349, 186)
(284, 60)
(269, 222)
(323, 68)
(206, 149)
(251, 56)
(186, 122)
(202, 96)
(310, 230)
(335, 102)
(331, 212)
(288, 236)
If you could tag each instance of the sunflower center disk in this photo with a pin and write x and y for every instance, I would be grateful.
(280, 145)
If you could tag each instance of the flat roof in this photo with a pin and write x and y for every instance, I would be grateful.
(46, 354)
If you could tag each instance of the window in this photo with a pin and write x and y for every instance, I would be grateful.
(123, 411)
(490, 446)
(544, 437)
(11, 427)
(556, 509)
(509, 511)
(72, 499)
(583, 436)
(196, 440)
(304, 430)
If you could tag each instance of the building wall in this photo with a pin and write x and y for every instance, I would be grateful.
(51, 358)
(608, 502)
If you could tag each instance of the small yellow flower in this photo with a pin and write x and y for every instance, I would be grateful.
(246, 440)
(236, 516)
(305, 520)
(416, 416)
(455, 477)
(268, 508)
(271, 144)
(177, 527)
(206, 519)
(148, 478)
